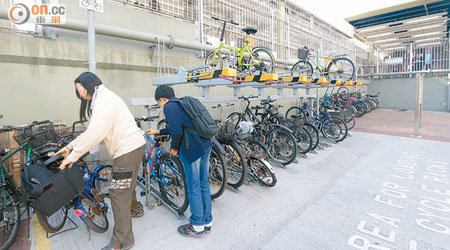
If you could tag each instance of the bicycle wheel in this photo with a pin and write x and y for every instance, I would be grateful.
(10, 216)
(55, 222)
(342, 68)
(217, 173)
(314, 132)
(264, 58)
(343, 125)
(215, 61)
(294, 111)
(331, 130)
(282, 145)
(174, 190)
(236, 164)
(95, 219)
(102, 182)
(304, 140)
(166, 144)
(302, 68)
(350, 120)
(263, 173)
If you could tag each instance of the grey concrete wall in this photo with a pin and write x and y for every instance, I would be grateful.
(399, 93)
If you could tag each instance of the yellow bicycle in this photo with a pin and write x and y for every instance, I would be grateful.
(259, 59)
(336, 67)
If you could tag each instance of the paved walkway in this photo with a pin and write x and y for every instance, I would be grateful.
(435, 125)
(382, 192)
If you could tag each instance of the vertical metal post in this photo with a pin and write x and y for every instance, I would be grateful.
(411, 54)
(318, 101)
(378, 61)
(92, 63)
(448, 93)
(272, 29)
(418, 104)
(200, 20)
(91, 41)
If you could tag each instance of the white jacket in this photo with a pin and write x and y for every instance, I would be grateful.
(112, 122)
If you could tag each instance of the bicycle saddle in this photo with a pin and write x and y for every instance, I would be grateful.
(159, 138)
(250, 30)
(296, 116)
(242, 136)
(2, 152)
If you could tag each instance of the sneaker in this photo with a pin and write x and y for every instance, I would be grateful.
(138, 214)
(109, 247)
(189, 231)
(208, 229)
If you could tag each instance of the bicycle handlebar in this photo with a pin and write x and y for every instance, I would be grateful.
(247, 97)
(226, 21)
(146, 119)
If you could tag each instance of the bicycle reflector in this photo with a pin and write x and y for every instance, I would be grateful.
(79, 212)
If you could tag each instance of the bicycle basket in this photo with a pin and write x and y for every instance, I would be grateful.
(303, 53)
(227, 128)
(21, 135)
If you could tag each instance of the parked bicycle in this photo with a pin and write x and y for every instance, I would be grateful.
(165, 171)
(260, 59)
(336, 66)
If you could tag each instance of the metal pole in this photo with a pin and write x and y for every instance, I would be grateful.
(418, 104)
(272, 28)
(91, 41)
(410, 56)
(448, 93)
(200, 19)
(92, 64)
(378, 61)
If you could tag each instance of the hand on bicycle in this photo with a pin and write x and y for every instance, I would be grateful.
(65, 163)
(174, 152)
(64, 152)
(152, 132)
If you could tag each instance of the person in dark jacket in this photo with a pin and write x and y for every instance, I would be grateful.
(194, 153)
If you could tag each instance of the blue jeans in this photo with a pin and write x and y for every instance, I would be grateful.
(199, 195)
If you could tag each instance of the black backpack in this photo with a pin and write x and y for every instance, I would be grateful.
(205, 126)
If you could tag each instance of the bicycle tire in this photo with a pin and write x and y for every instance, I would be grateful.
(175, 177)
(339, 75)
(256, 53)
(47, 226)
(235, 151)
(217, 173)
(350, 122)
(344, 128)
(330, 130)
(294, 111)
(101, 185)
(166, 144)
(291, 144)
(304, 68)
(235, 118)
(304, 140)
(262, 172)
(12, 193)
(92, 211)
(314, 132)
(214, 64)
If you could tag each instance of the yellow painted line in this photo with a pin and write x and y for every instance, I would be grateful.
(41, 241)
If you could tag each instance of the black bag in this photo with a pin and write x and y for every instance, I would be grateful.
(47, 191)
(205, 126)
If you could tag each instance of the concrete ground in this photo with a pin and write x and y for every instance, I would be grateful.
(369, 192)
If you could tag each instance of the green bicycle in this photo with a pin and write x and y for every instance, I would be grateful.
(11, 196)
(260, 59)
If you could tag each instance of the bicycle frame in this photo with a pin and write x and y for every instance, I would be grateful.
(237, 51)
(153, 160)
(30, 152)
(328, 61)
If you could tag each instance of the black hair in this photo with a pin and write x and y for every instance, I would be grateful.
(164, 91)
(89, 81)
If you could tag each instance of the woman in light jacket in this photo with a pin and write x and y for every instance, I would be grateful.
(111, 122)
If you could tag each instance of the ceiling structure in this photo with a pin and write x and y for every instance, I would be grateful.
(421, 21)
